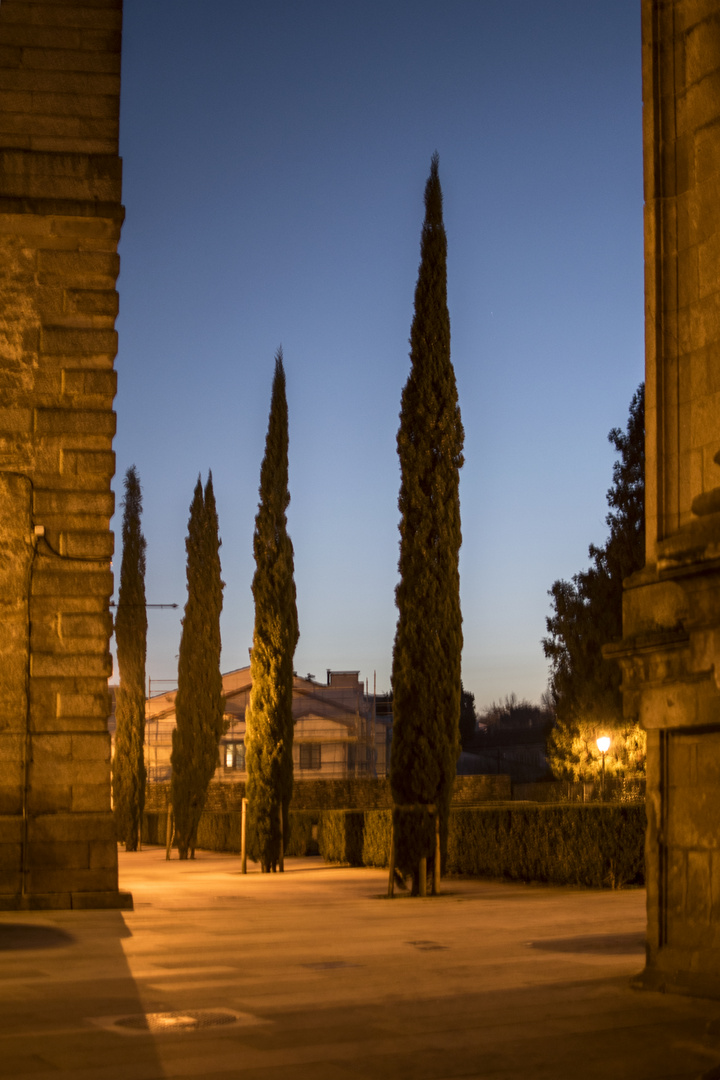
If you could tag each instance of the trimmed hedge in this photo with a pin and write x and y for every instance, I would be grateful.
(377, 838)
(154, 827)
(598, 845)
(358, 792)
(341, 835)
(594, 844)
(300, 840)
(221, 831)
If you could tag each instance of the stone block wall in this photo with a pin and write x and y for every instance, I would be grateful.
(670, 653)
(60, 220)
(681, 87)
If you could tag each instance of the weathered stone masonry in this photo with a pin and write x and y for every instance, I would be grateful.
(60, 220)
(670, 654)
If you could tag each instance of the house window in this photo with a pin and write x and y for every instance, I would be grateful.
(309, 755)
(235, 755)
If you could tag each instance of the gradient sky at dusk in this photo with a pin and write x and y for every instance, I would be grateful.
(275, 157)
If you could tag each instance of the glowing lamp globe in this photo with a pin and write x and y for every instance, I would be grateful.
(603, 744)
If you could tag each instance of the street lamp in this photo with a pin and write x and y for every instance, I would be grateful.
(603, 745)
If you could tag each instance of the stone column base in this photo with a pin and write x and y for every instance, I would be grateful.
(688, 983)
(69, 901)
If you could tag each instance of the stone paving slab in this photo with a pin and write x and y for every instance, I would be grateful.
(313, 973)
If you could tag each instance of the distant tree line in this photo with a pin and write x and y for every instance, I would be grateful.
(512, 714)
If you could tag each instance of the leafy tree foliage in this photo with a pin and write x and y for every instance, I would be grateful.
(587, 614)
(428, 639)
(131, 640)
(268, 717)
(199, 704)
(513, 714)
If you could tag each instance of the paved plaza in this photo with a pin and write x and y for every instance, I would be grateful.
(314, 974)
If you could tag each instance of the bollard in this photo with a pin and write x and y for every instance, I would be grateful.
(436, 866)
(243, 827)
(281, 861)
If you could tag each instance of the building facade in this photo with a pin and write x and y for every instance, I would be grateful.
(338, 732)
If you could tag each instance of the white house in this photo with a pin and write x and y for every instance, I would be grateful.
(338, 731)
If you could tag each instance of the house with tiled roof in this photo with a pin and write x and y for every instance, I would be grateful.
(337, 732)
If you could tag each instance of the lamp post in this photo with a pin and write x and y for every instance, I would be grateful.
(603, 744)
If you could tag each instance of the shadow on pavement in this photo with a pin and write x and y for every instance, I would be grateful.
(63, 974)
(609, 944)
(27, 936)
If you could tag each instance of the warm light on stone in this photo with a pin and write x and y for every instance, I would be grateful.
(60, 220)
(670, 653)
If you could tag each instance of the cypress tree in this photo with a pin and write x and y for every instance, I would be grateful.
(131, 639)
(268, 718)
(428, 638)
(199, 705)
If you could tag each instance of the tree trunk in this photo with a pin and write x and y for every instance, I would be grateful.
(391, 878)
(169, 831)
(436, 864)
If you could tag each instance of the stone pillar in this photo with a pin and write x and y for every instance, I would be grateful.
(670, 654)
(60, 219)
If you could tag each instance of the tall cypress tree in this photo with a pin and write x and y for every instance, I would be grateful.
(268, 718)
(428, 639)
(199, 705)
(131, 639)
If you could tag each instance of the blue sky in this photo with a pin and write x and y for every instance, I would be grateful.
(275, 157)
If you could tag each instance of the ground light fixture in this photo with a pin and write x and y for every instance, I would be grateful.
(603, 745)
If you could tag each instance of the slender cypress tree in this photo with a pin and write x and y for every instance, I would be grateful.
(268, 718)
(199, 705)
(131, 640)
(428, 639)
